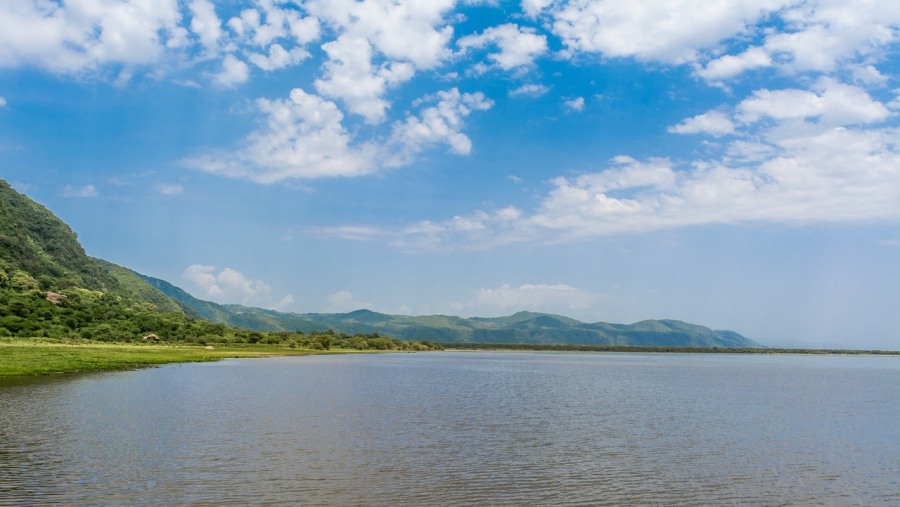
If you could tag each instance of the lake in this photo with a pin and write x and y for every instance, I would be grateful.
(460, 429)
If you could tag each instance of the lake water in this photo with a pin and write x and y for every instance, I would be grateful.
(460, 429)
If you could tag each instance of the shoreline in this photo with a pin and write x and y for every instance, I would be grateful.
(39, 357)
(34, 357)
(536, 347)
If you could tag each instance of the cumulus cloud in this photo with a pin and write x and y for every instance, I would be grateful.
(438, 124)
(518, 46)
(380, 45)
(79, 35)
(286, 304)
(233, 73)
(716, 123)
(811, 36)
(794, 156)
(229, 286)
(205, 24)
(278, 58)
(2, 102)
(266, 22)
(576, 104)
(816, 36)
(830, 102)
(349, 75)
(669, 31)
(121, 38)
(344, 301)
(303, 138)
(80, 192)
(729, 66)
(413, 32)
(533, 8)
(542, 297)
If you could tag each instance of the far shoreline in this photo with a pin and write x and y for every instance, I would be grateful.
(552, 347)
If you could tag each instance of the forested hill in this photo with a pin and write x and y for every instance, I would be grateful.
(49, 288)
(40, 256)
(35, 242)
(523, 327)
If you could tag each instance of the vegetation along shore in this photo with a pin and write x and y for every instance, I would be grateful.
(39, 356)
(551, 347)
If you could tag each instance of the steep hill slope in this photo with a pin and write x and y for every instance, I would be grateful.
(33, 240)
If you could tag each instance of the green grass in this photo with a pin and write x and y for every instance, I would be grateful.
(35, 356)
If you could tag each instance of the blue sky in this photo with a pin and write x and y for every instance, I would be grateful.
(733, 163)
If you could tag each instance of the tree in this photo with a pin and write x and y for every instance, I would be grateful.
(22, 281)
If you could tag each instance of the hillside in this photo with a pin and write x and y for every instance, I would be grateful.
(39, 253)
(34, 241)
(522, 327)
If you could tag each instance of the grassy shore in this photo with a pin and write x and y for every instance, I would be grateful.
(35, 356)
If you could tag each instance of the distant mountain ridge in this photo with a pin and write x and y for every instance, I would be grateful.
(41, 251)
(522, 327)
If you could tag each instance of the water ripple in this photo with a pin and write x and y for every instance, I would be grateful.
(460, 429)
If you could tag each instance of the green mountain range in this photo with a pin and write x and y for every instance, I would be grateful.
(40, 253)
(523, 327)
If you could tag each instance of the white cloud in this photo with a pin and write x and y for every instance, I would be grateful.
(576, 104)
(669, 31)
(838, 175)
(230, 286)
(286, 304)
(349, 75)
(82, 35)
(118, 39)
(731, 65)
(541, 297)
(169, 188)
(380, 44)
(716, 123)
(402, 31)
(303, 138)
(439, 124)
(2, 102)
(868, 75)
(234, 72)
(817, 36)
(206, 24)
(278, 58)
(518, 46)
(799, 157)
(832, 103)
(795, 36)
(533, 8)
(267, 22)
(80, 192)
(529, 90)
(344, 301)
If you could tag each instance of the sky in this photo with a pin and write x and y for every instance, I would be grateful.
(730, 163)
